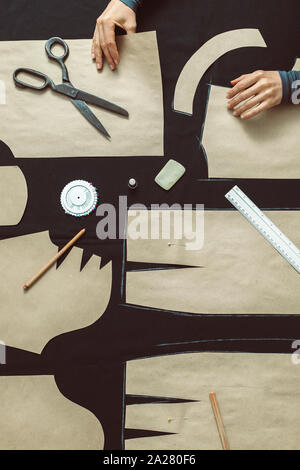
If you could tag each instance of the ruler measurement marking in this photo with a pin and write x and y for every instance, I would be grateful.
(264, 226)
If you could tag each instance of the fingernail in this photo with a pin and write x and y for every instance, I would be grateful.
(116, 61)
(98, 66)
(93, 56)
(112, 67)
(235, 113)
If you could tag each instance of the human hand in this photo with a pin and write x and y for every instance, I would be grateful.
(254, 92)
(104, 41)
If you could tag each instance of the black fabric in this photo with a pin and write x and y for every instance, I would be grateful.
(89, 365)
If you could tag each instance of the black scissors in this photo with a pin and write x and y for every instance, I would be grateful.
(78, 97)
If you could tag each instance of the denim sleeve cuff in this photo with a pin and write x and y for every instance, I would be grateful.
(133, 4)
(288, 79)
(285, 86)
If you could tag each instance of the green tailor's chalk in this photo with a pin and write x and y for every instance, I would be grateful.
(170, 174)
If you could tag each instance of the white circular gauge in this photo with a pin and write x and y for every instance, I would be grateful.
(79, 198)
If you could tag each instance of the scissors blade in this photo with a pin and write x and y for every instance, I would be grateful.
(92, 99)
(90, 116)
(68, 90)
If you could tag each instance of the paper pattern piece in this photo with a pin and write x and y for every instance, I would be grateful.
(240, 272)
(63, 300)
(13, 195)
(265, 146)
(297, 65)
(257, 395)
(44, 124)
(204, 57)
(34, 415)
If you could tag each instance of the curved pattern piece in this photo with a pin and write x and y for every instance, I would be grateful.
(13, 195)
(34, 415)
(297, 65)
(204, 57)
(63, 300)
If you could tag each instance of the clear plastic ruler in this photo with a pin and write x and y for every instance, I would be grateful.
(265, 226)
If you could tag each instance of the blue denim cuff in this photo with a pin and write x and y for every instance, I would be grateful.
(133, 4)
(285, 86)
(288, 79)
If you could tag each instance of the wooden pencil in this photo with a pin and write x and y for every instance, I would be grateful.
(54, 259)
(218, 417)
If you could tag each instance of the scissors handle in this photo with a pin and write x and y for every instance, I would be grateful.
(33, 73)
(60, 59)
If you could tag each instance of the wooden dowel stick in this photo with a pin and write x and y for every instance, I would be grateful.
(220, 425)
(54, 259)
